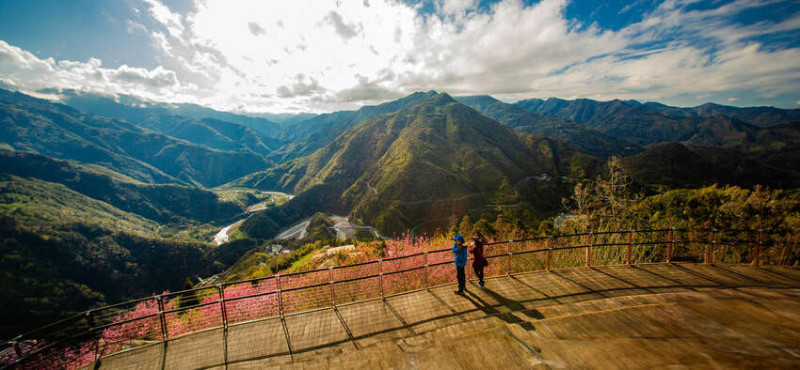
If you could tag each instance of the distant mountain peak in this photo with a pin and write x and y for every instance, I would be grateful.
(441, 98)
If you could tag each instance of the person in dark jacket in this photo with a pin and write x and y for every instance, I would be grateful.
(479, 262)
(460, 253)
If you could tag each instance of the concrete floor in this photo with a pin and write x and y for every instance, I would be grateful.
(660, 315)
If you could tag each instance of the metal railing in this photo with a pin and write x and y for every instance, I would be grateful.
(84, 339)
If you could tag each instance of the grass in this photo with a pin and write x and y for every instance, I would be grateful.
(43, 204)
(302, 263)
(246, 198)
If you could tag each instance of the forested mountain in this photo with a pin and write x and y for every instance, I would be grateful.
(316, 132)
(30, 124)
(585, 139)
(652, 123)
(97, 209)
(65, 248)
(759, 116)
(158, 202)
(197, 126)
(675, 165)
(312, 134)
(419, 167)
(136, 110)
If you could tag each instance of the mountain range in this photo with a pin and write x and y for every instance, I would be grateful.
(60, 131)
(419, 167)
(129, 187)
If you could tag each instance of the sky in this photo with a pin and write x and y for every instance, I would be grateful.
(326, 55)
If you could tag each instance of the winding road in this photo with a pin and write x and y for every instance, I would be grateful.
(222, 236)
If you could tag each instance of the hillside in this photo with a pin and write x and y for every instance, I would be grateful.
(674, 166)
(418, 168)
(759, 116)
(55, 130)
(132, 109)
(653, 123)
(585, 139)
(162, 203)
(318, 131)
(193, 125)
(63, 252)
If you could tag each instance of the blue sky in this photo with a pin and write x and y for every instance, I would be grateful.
(321, 55)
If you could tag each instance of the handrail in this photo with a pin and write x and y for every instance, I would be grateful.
(331, 281)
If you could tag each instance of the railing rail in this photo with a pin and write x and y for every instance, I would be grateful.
(85, 338)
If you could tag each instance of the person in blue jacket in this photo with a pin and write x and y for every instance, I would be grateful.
(460, 253)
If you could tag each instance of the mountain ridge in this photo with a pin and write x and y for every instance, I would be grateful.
(60, 131)
(388, 162)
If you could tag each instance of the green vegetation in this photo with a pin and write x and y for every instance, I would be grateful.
(64, 252)
(585, 139)
(257, 262)
(414, 168)
(125, 211)
(55, 130)
(675, 165)
(320, 228)
(162, 203)
(36, 203)
(653, 123)
(189, 298)
(50, 272)
(244, 198)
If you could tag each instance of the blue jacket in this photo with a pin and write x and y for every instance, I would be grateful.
(461, 256)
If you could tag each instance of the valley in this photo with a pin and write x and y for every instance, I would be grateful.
(274, 198)
(190, 184)
(146, 195)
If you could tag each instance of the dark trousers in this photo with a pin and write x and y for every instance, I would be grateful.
(478, 272)
(462, 278)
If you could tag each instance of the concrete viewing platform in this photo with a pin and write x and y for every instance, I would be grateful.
(654, 315)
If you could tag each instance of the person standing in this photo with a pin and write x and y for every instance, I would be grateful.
(479, 262)
(460, 253)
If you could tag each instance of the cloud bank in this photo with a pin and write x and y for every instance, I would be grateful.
(306, 55)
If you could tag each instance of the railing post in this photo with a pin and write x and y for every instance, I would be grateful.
(17, 349)
(332, 283)
(628, 248)
(222, 309)
(709, 257)
(380, 275)
(758, 249)
(162, 319)
(96, 349)
(280, 295)
(588, 249)
(425, 269)
(280, 311)
(97, 342)
(670, 239)
(547, 254)
(224, 314)
(508, 261)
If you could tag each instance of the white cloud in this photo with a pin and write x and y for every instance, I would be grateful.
(134, 27)
(731, 100)
(173, 22)
(455, 7)
(24, 70)
(312, 55)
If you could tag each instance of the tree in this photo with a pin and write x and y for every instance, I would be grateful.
(501, 227)
(189, 298)
(466, 226)
(545, 228)
(484, 228)
(616, 192)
